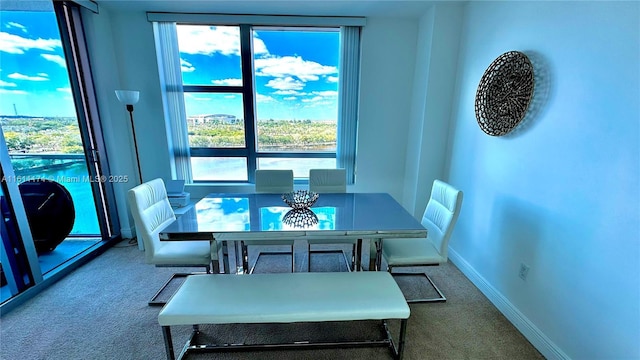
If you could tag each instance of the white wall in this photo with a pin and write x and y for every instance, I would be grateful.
(113, 116)
(433, 87)
(387, 71)
(123, 56)
(135, 54)
(561, 195)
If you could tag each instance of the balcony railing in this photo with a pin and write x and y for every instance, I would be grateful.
(70, 170)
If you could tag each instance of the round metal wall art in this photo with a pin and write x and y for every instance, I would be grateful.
(504, 93)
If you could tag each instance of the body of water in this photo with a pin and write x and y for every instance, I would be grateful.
(74, 177)
(234, 169)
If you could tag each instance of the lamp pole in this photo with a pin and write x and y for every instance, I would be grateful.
(129, 98)
(135, 141)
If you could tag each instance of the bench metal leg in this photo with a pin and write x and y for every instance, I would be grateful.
(193, 346)
(403, 333)
(168, 342)
(397, 349)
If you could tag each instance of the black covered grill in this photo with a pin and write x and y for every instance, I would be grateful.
(50, 212)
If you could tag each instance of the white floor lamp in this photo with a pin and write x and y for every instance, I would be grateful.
(130, 98)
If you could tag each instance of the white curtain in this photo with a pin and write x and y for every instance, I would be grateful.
(349, 90)
(168, 55)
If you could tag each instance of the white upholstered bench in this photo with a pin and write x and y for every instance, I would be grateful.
(285, 298)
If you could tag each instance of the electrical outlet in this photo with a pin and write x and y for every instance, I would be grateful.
(524, 271)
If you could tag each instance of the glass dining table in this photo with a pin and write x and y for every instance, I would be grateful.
(228, 219)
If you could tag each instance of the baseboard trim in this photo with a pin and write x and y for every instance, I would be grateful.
(130, 233)
(537, 338)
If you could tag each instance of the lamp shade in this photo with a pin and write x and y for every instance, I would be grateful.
(128, 97)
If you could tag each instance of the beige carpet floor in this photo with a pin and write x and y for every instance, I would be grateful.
(100, 312)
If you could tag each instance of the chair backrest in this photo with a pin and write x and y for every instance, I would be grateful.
(441, 215)
(328, 180)
(151, 212)
(274, 181)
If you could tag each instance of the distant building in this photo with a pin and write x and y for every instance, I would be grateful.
(215, 118)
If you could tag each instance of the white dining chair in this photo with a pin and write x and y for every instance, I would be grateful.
(439, 218)
(276, 182)
(329, 181)
(151, 213)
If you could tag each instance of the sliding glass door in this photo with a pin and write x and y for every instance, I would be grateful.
(53, 141)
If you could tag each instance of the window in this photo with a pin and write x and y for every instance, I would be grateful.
(38, 107)
(271, 104)
(259, 97)
(49, 118)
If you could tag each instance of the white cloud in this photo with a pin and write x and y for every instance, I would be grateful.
(326, 93)
(332, 79)
(321, 103)
(290, 98)
(313, 99)
(7, 84)
(229, 96)
(193, 96)
(14, 44)
(56, 59)
(259, 48)
(64, 90)
(292, 66)
(186, 66)
(228, 82)
(18, 92)
(209, 40)
(264, 98)
(287, 83)
(12, 24)
(19, 76)
(289, 92)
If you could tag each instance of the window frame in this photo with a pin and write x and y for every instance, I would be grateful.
(247, 90)
(173, 90)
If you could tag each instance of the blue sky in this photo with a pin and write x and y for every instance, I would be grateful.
(33, 73)
(296, 71)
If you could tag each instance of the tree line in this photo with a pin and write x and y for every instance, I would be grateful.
(272, 134)
(38, 135)
(61, 135)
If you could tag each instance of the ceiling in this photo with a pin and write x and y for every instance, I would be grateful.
(386, 8)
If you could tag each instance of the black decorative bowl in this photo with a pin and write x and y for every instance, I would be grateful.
(300, 199)
(300, 218)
